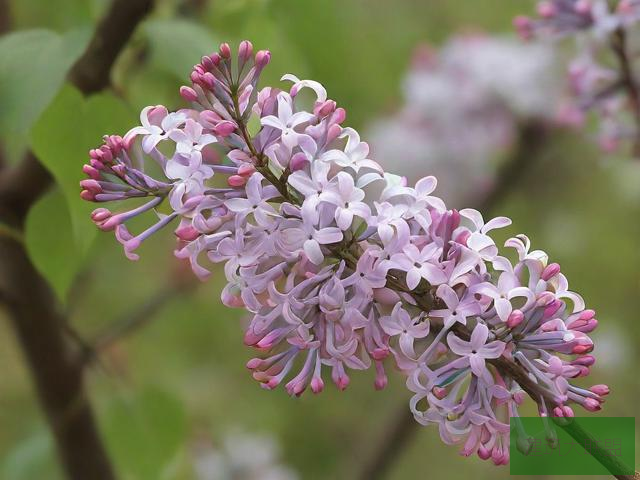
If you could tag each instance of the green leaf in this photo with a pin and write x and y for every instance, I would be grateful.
(50, 242)
(31, 458)
(144, 432)
(61, 139)
(176, 45)
(33, 65)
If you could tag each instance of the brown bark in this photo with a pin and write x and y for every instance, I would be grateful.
(57, 367)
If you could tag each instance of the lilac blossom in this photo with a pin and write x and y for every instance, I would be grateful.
(458, 119)
(343, 266)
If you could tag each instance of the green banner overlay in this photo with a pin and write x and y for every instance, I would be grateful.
(576, 446)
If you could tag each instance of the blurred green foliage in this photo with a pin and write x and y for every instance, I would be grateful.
(183, 375)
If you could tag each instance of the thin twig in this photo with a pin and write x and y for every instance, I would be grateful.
(31, 305)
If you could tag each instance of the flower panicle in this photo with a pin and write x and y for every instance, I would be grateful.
(344, 266)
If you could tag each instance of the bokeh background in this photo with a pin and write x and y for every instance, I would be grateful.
(172, 395)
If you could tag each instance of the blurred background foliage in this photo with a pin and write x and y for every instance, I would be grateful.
(181, 378)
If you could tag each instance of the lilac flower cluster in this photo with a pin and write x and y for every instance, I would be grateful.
(342, 265)
(601, 76)
(458, 118)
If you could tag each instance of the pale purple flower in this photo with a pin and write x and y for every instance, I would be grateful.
(477, 350)
(341, 264)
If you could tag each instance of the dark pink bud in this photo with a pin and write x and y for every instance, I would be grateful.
(187, 233)
(334, 131)
(246, 170)
(225, 51)
(317, 385)
(580, 349)
(558, 412)
(439, 392)
(582, 371)
(254, 363)
(298, 161)
(245, 50)
(225, 128)
(91, 172)
(208, 79)
(263, 57)
(210, 117)
(188, 93)
(484, 453)
(550, 271)
(587, 314)
(207, 63)
(515, 318)
(100, 214)
(91, 185)
(592, 405)
(601, 390)
(97, 164)
(568, 411)
(87, 195)
(215, 58)
(236, 181)
(340, 115)
(586, 360)
(325, 108)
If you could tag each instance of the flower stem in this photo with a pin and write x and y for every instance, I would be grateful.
(604, 456)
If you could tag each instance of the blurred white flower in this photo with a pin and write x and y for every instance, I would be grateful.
(242, 456)
(463, 105)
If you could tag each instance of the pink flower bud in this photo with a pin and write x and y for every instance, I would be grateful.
(586, 360)
(592, 405)
(225, 51)
(215, 58)
(333, 132)
(254, 363)
(188, 93)
(325, 108)
(317, 385)
(87, 195)
(568, 411)
(263, 57)
(225, 128)
(187, 233)
(246, 170)
(298, 161)
(91, 185)
(236, 181)
(100, 214)
(484, 453)
(601, 390)
(515, 318)
(91, 172)
(245, 50)
(339, 115)
(550, 271)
